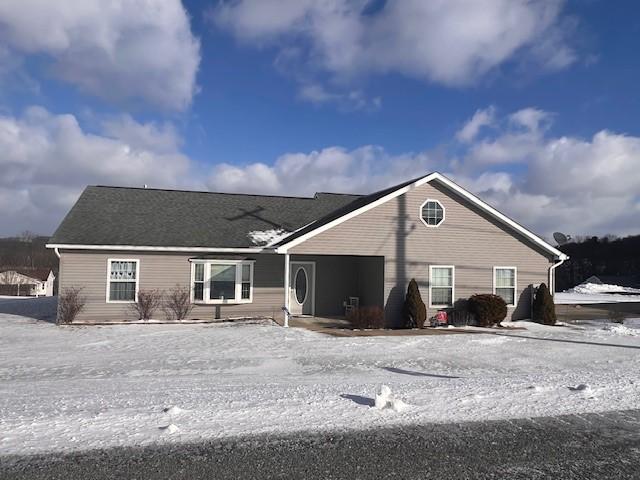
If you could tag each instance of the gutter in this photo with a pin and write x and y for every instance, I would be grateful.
(552, 274)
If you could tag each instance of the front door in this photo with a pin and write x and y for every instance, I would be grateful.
(302, 288)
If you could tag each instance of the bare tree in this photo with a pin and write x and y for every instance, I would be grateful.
(178, 304)
(147, 303)
(70, 304)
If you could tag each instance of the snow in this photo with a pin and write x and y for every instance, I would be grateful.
(589, 293)
(267, 237)
(386, 399)
(79, 387)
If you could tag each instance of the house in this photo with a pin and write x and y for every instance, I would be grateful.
(35, 282)
(251, 255)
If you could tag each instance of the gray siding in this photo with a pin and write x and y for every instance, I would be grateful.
(468, 239)
(163, 271)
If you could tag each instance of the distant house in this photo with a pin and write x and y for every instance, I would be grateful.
(35, 282)
(243, 255)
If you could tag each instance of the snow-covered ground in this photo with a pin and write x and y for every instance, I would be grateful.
(591, 293)
(71, 388)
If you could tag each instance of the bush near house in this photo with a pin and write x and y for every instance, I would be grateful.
(366, 317)
(488, 309)
(414, 311)
(147, 303)
(177, 305)
(544, 310)
(70, 304)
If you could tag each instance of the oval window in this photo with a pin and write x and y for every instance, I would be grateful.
(301, 285)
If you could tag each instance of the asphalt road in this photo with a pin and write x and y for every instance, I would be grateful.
(594, 446)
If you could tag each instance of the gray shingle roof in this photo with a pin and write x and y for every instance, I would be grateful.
(173, 218)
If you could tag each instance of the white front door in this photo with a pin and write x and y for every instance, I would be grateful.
(302, 288)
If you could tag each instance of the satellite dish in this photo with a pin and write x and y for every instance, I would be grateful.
(561, 238)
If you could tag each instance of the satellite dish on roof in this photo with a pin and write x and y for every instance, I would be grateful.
(561, 238)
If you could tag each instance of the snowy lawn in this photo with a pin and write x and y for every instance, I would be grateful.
(71, 388)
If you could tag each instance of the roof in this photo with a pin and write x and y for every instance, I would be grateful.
(120, 216)
(41, 274)
(153, 219)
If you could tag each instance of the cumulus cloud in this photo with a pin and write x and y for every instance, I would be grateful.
(48, 159)
(482, 118)
(332, 169)
(124, 50)
(451, 42)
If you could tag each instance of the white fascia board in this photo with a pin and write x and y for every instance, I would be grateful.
(428, 178)
(143, 248)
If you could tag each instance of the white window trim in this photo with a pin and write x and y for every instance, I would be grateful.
(109, 260)
(444, 212)
(515, 283)
(453, 285)
(207, 282)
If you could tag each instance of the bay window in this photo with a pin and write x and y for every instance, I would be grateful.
(222, 281)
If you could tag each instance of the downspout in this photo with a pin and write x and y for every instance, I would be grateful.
(552, 275)
(57, 252)
(286, 289)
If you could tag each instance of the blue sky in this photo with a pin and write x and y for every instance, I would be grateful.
(533, 105)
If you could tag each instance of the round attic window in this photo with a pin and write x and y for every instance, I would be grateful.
(432, 213)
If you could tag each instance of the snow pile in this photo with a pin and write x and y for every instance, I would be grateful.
(620, 329)
(267, 237)
(173, 410)
(595, 288)
(170, 429)
(386, 399)
(590, 293)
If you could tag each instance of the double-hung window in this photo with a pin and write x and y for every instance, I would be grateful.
(441, 285)
(222, 281)
(122, 280)
(504, 283)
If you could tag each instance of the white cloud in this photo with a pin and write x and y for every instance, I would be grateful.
(482, 118)
(451, 42)
(118, 50)
(347, 101)
(332, 169)
(48, 159)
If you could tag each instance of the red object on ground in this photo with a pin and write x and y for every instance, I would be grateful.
(442, 318)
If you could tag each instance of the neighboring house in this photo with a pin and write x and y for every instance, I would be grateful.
(36, 282)
(250, 255)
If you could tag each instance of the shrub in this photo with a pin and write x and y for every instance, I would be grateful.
(70, 304)
(488, 309)
(366, 317)
(414, 311)
(459, 315)
(544, 310)
(148, 302)
(177, 305)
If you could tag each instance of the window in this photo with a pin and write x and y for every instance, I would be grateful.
(122, 280)
(504, 283)
(222, 281)
(198, 281)
(441, 282)
(432, 213)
